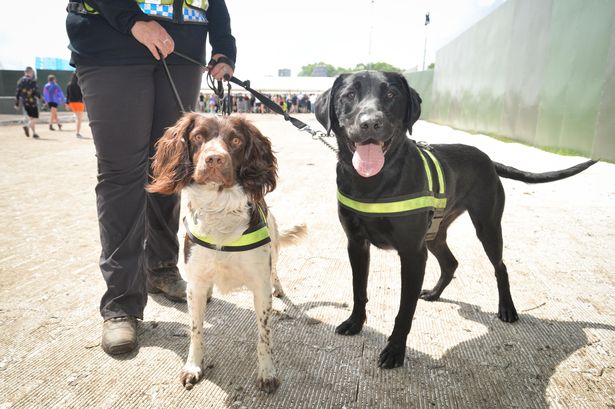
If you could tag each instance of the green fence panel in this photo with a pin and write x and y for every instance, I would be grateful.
(8, 84)
(604, 143)
(578, 49)
(422, 82)
(541, 72)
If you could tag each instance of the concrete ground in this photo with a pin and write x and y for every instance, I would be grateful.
(559, 246)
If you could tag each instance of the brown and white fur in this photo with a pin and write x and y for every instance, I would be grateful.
(228, 165)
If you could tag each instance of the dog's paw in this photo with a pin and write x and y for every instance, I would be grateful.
(351, 326)
(278, 293)
(267, 384)
(190, 375)
(507, 313)
(392, 356)
(430, 295)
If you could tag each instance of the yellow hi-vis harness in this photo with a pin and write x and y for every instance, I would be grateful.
(429, 200)
(252, 238)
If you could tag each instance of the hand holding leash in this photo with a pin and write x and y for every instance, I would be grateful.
(153, 36)
(221, 67)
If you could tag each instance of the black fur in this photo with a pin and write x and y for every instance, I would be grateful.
(380, 107)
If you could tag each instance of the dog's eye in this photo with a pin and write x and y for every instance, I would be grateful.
(390, 95)
(198, 138)
(350, 95)
(236, 141)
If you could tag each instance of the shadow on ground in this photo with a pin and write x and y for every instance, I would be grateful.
(508, 365)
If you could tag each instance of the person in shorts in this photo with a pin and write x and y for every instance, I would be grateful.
(53, 96)
(74, 101)
(26, 97)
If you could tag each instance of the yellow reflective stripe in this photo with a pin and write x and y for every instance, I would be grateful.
(393, 207)
(427, 170)
(438, 170)
(244, 240)
(89, 8)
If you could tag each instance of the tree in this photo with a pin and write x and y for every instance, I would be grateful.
(308, 70)
(331, 71)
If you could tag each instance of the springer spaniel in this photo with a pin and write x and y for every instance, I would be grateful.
(225, 166)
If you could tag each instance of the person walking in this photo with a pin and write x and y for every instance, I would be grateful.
(117, 47)
(26, 98)
(74, 101)
(53, 95)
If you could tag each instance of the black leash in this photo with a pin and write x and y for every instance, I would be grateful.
(218, 89)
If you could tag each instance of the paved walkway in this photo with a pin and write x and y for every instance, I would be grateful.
(559, 246)
(8, 119)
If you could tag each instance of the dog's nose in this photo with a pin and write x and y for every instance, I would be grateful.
(371, 122)
(214, 160)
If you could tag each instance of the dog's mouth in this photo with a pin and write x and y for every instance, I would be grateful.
(368, 157)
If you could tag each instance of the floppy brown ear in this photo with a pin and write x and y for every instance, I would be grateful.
(259, 171)
(413, 111)
(324, 107)
(172, 166)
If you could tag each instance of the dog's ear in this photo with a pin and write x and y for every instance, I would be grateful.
(324, 107)
(172, 166)
(258, 172)
(413, 110)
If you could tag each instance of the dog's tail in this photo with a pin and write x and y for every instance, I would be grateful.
(528, 177)
(293, 235)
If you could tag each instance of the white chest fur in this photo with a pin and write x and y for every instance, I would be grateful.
(223, 216)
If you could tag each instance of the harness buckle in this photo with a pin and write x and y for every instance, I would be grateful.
(434, 227)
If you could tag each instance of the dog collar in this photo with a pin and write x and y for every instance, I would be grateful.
(253, 237)
(429, 200)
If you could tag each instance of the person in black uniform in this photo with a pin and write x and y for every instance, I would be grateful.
(117, 46)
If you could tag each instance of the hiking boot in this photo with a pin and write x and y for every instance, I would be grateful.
(172, 286)
(119, 335)
(26, 130)
(51, 128)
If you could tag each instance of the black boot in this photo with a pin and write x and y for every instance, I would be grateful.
(168, 282)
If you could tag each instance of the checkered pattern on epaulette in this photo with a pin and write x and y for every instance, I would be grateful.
(166, 11)
(194, 15)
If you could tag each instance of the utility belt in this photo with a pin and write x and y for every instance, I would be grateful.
(176, 11)
(432, 200)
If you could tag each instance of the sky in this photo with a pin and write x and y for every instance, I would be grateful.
(276, 34)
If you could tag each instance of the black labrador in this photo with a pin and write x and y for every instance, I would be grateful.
(385, 197)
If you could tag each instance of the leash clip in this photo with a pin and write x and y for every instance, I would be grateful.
(424, 145)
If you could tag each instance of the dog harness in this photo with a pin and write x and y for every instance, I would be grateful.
(253, 237)
(433, 200)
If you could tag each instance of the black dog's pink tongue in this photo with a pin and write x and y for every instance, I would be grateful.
(368, 159)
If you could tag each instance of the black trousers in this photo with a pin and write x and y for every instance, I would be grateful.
(129, 108)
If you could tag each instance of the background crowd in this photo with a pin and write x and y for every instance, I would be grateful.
(246, 103)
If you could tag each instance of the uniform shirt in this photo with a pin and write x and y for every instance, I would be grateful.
(105, 39)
